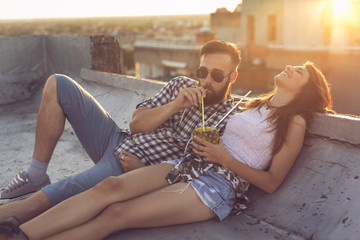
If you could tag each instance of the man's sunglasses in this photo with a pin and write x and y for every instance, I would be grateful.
(217, 75)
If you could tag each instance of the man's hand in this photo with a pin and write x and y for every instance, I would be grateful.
(146, 119)
(129, 161)
(189, 97)
(210, 152)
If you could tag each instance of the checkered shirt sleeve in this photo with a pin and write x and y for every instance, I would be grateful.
(169, 92)
(169, 141)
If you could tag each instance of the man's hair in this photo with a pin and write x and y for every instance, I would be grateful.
(217, 46)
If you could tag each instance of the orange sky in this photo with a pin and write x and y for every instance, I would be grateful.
(15, 9)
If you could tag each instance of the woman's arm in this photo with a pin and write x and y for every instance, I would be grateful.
(268, 180)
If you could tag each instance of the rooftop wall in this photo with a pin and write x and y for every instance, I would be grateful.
(19, 73)
(67, 53)
(27, 61)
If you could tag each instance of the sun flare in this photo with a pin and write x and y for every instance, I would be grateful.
(344, 11)
(342, 7)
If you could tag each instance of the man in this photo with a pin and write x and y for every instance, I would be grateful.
(160, 130)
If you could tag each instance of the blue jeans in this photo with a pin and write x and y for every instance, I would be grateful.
(98, 134)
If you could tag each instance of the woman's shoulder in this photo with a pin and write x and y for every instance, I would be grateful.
(299, 120)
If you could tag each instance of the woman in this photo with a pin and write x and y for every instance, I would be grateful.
(259, 146)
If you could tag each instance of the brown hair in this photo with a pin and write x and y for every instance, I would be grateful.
(314, 97)
(217, 46)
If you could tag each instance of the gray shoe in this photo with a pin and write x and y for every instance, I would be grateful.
(10, 228)
(21, 186)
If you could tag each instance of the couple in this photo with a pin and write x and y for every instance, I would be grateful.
(259, 146)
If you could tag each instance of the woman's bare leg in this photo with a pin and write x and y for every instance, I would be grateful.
(85, 206)
(162, 207)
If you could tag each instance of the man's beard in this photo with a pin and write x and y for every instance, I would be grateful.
(216, 97)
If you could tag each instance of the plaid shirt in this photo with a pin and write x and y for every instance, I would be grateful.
(169, 140)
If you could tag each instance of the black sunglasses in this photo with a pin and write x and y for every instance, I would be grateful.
(217, 75)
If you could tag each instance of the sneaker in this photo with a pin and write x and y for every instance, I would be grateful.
(21, 186)
(10, 228)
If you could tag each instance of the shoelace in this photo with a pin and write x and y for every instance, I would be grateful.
(17, 182)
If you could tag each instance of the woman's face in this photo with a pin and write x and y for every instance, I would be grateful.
(292, 78)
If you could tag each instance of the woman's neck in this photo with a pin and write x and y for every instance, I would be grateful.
(280, 98)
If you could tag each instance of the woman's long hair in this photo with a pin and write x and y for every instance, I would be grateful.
(313, 97)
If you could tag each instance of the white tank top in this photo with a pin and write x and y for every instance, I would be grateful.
(247, 138)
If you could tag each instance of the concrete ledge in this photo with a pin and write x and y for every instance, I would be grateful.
(144, 87)
(338, 127)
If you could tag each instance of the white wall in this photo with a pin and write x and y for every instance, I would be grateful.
(302, 25)
(298, 22)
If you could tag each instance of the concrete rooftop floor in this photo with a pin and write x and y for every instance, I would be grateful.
(317, 201)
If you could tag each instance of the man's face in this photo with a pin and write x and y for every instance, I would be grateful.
(216, 91)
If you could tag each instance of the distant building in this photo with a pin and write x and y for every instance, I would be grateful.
(205, 35)
(226, 24)
(275, 33)
(277, 27)
(164, 61)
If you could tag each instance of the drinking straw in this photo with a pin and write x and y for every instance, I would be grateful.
(203, 118)
(232, 109)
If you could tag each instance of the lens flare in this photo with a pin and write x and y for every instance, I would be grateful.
(342, 8)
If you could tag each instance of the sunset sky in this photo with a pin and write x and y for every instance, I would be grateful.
(18, 9)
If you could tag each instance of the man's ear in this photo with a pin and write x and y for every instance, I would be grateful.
(233, 77)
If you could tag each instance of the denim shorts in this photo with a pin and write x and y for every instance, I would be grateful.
(214, 191)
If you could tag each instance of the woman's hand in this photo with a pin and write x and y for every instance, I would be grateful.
(129, 161)
(210, 152)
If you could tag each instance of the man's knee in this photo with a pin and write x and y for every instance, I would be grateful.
(50, 86)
